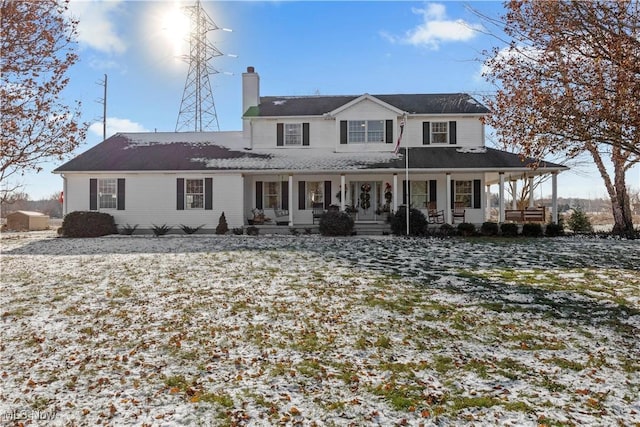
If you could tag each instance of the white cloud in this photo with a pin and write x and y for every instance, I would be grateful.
(436, 28)
(115, 125)
(96, 28)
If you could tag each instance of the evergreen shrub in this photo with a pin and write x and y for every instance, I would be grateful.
(554, 229)
(88, 224)
(579, 222)
(223, 227)
(532, 229)
(489, 229)
(466, 229)
(336, 224)
(509, 229)
(417, 222)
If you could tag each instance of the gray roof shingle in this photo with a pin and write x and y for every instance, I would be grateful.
(447, 103)
(198, 151)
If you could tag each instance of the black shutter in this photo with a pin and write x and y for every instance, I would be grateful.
(327, 194)
(453, 193)
(120, 203)
(93, 194)
(305, 134)
(258, 194)
(180, 194)
(301, 196)
(476, 194)
(343, 131)
(426, 133)
(208, 194)
(284, 190)
(279, 134)
(452, 133)
(433, 188)
(389, 132)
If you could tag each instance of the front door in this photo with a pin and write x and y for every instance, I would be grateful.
(366, 199)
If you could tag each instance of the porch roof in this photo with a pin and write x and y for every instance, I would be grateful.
(223, 152)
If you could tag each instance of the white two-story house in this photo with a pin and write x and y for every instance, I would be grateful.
(368, 154)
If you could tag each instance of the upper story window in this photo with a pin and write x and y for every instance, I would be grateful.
(293, 134)
(440, 132)
(107, 193)
(194, 193)
(363, 131)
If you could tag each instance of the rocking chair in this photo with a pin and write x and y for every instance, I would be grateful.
(434, 215)
(458, 212)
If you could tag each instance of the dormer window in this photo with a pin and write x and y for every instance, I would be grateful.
(362, 131)
(293, 134)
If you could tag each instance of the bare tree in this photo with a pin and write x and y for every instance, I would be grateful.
(569, 82)
(37, 41)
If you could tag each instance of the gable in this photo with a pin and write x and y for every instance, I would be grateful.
(366, 105)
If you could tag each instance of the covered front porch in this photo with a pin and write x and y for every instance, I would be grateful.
(298, 200)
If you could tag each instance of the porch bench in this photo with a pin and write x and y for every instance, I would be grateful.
(534, 214)
(513, 215)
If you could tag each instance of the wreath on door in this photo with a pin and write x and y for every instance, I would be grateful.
(365, 197)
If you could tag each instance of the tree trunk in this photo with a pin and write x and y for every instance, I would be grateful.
(620, 204)
(622, 215)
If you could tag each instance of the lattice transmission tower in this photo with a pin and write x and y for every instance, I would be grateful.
(197, 109)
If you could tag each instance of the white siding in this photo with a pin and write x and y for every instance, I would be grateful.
(325, 133)
(151, 199)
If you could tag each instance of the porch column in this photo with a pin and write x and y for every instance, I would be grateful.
(514, 192)
(343, 193)
(290, 200)
(395, 192)
(487, 202)
(501, 198)
(531, 195)
(447, 210)
(554, 197)
(64, 196)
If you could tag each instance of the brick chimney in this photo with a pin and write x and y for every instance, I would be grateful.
(250, 96)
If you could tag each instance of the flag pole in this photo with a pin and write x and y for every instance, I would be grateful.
(406, 184)
(403, 123)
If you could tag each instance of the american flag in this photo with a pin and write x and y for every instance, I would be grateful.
(402, 123)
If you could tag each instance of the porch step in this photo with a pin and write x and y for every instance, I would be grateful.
(360, 229)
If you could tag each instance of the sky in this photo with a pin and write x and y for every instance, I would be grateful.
(298, 48)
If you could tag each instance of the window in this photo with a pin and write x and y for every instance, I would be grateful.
(107, 194)
(361, 131)
(293, 134)
(464, 193)
(315, 193)
(419, 194)
(271, 191)
(194, 193)
(439, 132)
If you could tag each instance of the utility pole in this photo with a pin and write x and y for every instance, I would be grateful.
(197, 109)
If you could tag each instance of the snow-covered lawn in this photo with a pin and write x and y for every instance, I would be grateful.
(239, 330)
